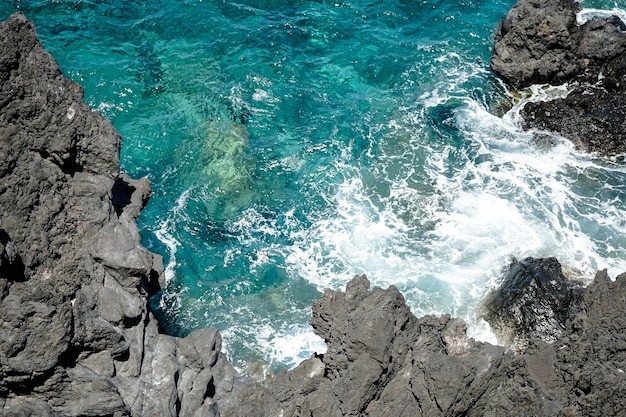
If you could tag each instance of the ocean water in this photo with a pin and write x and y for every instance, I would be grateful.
(294, 144)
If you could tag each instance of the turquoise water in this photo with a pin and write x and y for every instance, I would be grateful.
(291, 145)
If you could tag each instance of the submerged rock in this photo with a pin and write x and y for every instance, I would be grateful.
(541, 42)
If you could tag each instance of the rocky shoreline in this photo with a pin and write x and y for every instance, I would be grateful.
(541, 42)
(383, 361)
(77, 337)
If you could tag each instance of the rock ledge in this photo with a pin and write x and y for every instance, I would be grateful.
(383, 361)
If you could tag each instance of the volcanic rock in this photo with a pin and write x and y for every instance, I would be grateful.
(532, 303)
(383, 361)
(76, 335)
(540, 42)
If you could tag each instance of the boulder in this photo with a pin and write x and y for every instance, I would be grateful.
(540, 42)
(532, 303)
(593, 118)
(536, 43)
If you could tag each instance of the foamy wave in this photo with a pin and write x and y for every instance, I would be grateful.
(587, 14)
(354, 237)
(542, 178)
(164, 234)
(510, 196)
(276, 342)
(290, 344)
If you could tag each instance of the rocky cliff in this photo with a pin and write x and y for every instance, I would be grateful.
(76, 336)
(541, 42)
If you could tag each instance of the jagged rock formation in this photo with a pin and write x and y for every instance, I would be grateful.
(383, 361)
(76, 336)
(540, 42)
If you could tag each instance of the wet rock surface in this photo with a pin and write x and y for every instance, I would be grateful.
(540, 42)
(76, 336)
(533, 302)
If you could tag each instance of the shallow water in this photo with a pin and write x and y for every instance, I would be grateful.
(292, 145)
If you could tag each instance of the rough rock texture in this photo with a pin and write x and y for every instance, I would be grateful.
(593, 118)
(532, 303)
(382, 361)
(76, 336)
(540, 42)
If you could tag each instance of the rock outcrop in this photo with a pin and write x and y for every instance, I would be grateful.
(540, 42)
(534, 302)
(383, 361)
(76, 336)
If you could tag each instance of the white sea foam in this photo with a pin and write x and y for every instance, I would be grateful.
(511, 198)
(586, 14)
(165, 235)
(352, 239)
(481, 330)
(544, 172)
(290, 344)
(277, 342)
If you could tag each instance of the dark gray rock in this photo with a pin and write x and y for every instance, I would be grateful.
(92, 332)
(183, 377)
(533, 302)
(25, 407)
(88, 394)
(593, 118)
(36, 329)
(383, 361)
(76, 335)
(540, 42)
(535, 43)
